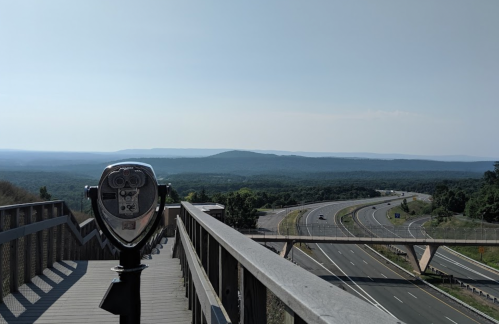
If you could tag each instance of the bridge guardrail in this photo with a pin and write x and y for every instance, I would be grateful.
(241, 272)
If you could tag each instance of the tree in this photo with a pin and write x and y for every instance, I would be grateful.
(173, 198)
(192, 197)
(239, 209)
(44, 194)
(441, 212)
(404, 205)
(203, 197)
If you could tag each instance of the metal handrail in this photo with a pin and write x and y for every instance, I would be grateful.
(308, 298)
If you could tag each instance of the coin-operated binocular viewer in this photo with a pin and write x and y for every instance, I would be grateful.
(125, 205)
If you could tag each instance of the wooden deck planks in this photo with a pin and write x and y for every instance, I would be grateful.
(71, 292)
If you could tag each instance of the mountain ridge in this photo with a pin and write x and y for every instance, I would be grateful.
(11, 154)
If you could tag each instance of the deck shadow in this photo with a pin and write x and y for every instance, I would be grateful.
(35, 298)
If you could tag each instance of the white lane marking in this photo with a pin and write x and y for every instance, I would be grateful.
(365, 262)
(412, 295)
(445, 258)
(398, 299)
(409, 228)
(370, 278)
(340, 252)
(450, 320)
(376, 219)
(352, 263)
(372, 301)
(384, 276)
(352, 251)
(375, 303)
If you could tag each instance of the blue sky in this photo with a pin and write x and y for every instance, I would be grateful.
(410, 77)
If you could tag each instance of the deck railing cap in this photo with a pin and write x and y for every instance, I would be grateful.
(312, 298)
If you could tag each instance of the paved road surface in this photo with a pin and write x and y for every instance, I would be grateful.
(444, 260)
(355, 270)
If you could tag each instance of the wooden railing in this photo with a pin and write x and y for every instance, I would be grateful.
(34, 236)
(228, 277)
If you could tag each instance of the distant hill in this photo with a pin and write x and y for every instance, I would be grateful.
(31, 157)
(251, 163)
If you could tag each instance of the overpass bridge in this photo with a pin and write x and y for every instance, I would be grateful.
(53, 270)
(431, 237)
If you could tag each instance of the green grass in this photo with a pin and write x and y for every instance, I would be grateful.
(346, 213)
(288, 224)
(473, 300)
(454, 290)
(288, 227)
(400, 260)
(417, 206)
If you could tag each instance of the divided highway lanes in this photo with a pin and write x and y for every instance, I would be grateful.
(356, 271)
(464, 270)
(403, 297)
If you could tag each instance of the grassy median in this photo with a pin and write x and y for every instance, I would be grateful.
(417, 208)
(288, 226)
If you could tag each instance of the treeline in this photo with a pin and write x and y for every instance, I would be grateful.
(423, 182)
(476, 200)
(280, 189)
(241, 205)
(485, 202)
(59, 185)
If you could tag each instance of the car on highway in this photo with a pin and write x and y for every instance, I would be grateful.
(374, 207)
(321, 217)
(388, 204)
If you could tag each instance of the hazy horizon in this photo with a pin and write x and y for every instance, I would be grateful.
(199, 152)
(417, 78)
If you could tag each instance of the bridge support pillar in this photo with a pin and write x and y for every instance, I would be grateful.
(413, 259)
(428, 254)
(287, 247)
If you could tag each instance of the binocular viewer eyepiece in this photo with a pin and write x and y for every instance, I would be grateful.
(125, 203)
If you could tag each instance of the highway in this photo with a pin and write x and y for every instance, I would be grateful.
(352, 268)
(444, 260)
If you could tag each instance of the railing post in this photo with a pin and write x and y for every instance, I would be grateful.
(190, 287)
(213, 261)
(253, 299)
(2, 274)
(59, 242)
(39, 242)
(14, 254)
(228, 285)
(291, 317)
(197, 229)
(50, 239)
(204, 248)
(28, 259)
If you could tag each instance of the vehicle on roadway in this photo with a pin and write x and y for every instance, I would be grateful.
(321, 217)
(374, 207)
(388, 204)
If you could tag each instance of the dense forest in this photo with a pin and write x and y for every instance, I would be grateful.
(282, 190)
(473, 199)
(254, 180)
